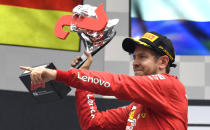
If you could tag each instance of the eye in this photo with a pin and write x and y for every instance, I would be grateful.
(142, 56)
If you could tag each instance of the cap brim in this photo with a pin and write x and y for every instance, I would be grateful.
(129, 44)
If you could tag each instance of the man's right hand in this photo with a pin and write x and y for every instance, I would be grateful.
(87, 64)
(40, 74)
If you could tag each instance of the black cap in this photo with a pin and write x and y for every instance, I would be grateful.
(159, 43)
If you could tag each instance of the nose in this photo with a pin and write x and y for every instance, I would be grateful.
(135, 63)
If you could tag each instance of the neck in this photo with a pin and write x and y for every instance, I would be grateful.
(161, 71)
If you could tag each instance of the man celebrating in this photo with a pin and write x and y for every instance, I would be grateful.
(159, 101)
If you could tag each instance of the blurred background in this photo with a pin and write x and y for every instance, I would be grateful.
(27, 38)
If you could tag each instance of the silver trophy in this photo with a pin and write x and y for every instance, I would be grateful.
(93, 40)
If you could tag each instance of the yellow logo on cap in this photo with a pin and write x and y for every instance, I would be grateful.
(149, 36)
(140, 42)
(167, 53)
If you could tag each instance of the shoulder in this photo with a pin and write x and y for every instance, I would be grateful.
(173, 86)
(163, 77)
(165, 81)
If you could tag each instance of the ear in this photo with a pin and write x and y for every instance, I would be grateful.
(163, 62)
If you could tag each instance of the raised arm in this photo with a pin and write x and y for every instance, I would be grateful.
(152, 91)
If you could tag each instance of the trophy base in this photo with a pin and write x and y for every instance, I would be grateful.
(46, 92)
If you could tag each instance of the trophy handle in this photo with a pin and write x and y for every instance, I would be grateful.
(84, 57)
(81, 61)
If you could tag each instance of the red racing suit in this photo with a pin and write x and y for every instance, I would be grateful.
(159, 101)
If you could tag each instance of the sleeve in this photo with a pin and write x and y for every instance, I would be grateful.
(91, 119)
(146, 90)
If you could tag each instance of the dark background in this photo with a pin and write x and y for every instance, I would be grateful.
(20, 111)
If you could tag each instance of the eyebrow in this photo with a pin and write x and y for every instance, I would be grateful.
(139, 53)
